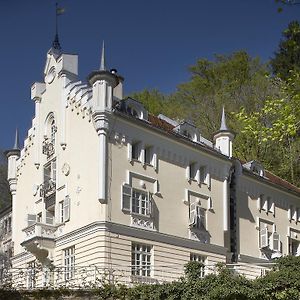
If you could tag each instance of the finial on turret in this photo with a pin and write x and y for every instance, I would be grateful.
(102, 63)
(17, 145)
(55, 44)
(223, 126)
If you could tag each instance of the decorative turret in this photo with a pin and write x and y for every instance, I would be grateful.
(12, 156)
(103, 83)
(224, 137)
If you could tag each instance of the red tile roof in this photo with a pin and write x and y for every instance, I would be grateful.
(165, 126)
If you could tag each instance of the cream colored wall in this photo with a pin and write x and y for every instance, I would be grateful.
(249, 214)
(80, 154)
(173, 157)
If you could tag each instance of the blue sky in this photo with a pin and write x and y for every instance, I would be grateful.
(151, 43)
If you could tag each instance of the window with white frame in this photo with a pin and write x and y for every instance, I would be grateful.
(141, 259)
(266, 204)
(136, 201)
(294, 247)
(269, 238)
(69, 262)
(64, 210)
(31, 275)
(201, 259)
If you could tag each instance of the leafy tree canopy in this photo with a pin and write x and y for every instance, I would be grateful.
(287, 57)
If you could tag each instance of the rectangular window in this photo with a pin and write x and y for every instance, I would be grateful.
(31, 275)
(64, 210)
(140, 202)
(135, 150)
(69, 263)
(141, 260)
(200, 258)
(294, 247)
(136, 201)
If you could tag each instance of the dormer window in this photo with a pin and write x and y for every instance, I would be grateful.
(188, 130)
(132, 111)
(255, 167)
(134, 108)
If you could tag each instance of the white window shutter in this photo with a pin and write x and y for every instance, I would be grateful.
(275, 242)
(264, 240)
(272, 208)
(188, 172)
(193, 214)
(259, 203)
(142, 157)
(156, 187)
(67, 209)
(209, 203)
(208, 180)
(126, 197)
(154, 160)
(129, 151)
(53, 170)
(31, 219)
(198, 176)
(290, 213)
(149, 207)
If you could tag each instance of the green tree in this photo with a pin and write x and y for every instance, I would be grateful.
(271, 135)
(287, 58)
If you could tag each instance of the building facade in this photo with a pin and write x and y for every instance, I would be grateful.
(103, 186)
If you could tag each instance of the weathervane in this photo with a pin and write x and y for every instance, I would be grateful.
(58, 11)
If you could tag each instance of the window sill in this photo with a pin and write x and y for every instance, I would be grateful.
(143, 279)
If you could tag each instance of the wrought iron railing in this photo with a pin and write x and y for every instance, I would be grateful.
(48, 148)
(93, 276)
(47, 188)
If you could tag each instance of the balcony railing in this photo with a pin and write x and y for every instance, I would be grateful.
(39, 230)
(48, 188)
(48, 148)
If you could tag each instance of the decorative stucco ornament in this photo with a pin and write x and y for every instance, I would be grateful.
(50, 75)
(35, 189)
(65, 169)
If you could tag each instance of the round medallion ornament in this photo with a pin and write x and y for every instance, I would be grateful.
(65, 169)
(50, 75)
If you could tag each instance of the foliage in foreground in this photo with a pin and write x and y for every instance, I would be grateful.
(281, 283)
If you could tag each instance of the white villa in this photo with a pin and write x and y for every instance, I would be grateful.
(101, 185)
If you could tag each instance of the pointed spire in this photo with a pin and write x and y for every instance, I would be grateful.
(102, 63)
(223, 126)
(16, 145)
(56, 48)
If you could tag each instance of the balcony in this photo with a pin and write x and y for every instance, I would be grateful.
(40, 240)
(48, 188)
(48, 148)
